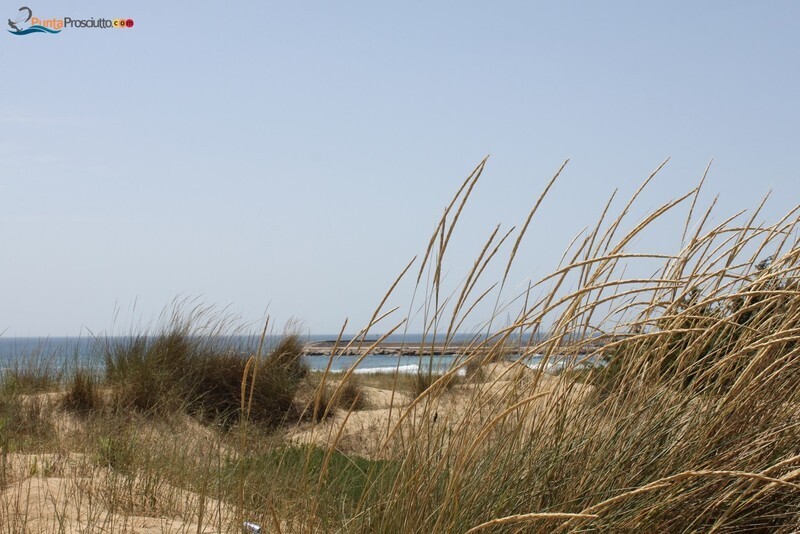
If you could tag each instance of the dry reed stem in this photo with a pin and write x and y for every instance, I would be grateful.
(525, 518)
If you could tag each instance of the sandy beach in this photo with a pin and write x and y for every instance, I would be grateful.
(73, 491)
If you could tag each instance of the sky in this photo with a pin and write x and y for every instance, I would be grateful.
(290, 158)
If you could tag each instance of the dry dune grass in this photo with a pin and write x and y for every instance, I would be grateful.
(676, 408)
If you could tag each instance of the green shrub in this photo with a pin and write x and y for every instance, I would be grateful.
(178, 371)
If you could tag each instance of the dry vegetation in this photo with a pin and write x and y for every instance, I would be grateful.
(692, 424)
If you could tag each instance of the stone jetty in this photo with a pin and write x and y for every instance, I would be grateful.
(325, 348)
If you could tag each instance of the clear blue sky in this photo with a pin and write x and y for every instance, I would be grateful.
(293, 156)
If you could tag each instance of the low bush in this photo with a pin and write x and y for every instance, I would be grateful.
(177, 371)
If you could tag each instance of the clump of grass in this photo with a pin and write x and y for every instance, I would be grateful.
(149, 375)
(286, 356)
(424, 382)
(182, 371)
(347, 395)
(421, 382)
(216, 385)
(82, 395)
(351, 395)
(32, 373)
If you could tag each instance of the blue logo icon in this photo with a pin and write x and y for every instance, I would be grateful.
(25, 16)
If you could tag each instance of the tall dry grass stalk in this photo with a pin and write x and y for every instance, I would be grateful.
(691, 399)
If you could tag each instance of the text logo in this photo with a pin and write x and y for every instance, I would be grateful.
(24, 23)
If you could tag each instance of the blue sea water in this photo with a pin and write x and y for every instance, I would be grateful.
(69, 353)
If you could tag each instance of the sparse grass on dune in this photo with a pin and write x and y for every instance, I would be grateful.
(33, 372)
(691, 425)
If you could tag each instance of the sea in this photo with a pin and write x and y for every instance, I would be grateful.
(66, 354)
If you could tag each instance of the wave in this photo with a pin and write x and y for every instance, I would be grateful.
(377, 370)
(404, 369)
(34, 29)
